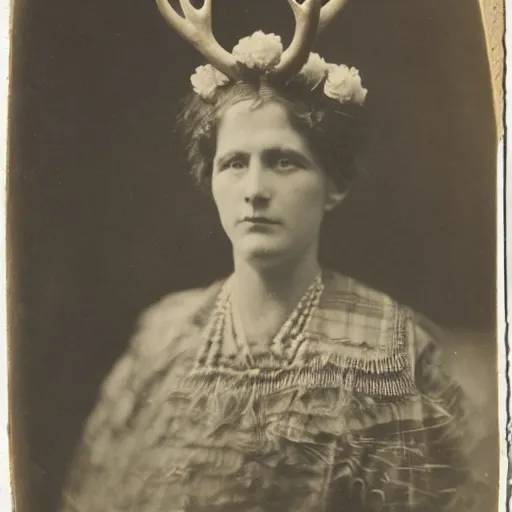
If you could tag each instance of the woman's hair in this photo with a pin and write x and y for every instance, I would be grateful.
(333, 130)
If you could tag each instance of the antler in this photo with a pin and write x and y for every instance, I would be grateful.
(310, 19)
(329, 12)
(196, 27)
(307, 17)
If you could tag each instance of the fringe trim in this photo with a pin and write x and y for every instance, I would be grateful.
(390, 364)
(266, 363)
(391, 377)
(391, 385)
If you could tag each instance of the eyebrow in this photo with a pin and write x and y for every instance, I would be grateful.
(222, 159)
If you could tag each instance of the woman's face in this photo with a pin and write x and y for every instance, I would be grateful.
(270, 191)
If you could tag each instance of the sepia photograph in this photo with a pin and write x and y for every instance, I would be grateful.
(252, 250)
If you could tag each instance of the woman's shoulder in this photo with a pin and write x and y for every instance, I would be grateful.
(346, 294)
(357, 315)
(167, 337)
(378, 335)
(188, 305)
(173, 316)
(356, 292)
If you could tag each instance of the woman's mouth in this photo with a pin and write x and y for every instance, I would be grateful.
(259, 220)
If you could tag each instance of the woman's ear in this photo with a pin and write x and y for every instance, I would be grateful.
(334, 196)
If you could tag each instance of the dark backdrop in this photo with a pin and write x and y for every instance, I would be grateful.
(103, 218)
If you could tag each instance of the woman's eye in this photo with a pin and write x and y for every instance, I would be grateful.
(284, 163)
(233, 164)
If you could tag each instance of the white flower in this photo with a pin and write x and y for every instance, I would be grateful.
(344, 84)
(206, 80)
(262, 51)
(314, 70)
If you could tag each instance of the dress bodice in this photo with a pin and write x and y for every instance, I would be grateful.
(359, 416)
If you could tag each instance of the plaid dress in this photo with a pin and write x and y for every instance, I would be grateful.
(358, 417)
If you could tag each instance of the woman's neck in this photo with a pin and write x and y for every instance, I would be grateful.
(264, 298)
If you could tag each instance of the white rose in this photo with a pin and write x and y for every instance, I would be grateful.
(206, 80)
(344, 84)
(260, 50)
(314, 70)
(359, 92)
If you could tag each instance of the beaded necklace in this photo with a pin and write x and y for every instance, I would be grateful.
(287, 343)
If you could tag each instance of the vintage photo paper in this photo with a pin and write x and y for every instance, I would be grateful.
(252, 256)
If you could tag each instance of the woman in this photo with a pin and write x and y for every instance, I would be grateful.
(285, 387)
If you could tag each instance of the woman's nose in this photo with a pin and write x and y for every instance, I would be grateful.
(256, 184)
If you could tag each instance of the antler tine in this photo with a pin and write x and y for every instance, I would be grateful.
(196, 27)
(307, 17)
(329, 12)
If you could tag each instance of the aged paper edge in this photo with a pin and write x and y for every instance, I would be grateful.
(497, 39)
(493, 17)
(5, 483)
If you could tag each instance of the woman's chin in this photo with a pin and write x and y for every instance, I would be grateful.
(263, 252)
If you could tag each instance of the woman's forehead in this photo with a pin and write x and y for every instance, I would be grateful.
(254, 112)
(249, 123)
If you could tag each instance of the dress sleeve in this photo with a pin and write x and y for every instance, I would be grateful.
(110, 437)
(463, 430)
(414, 452)
(91, 468)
